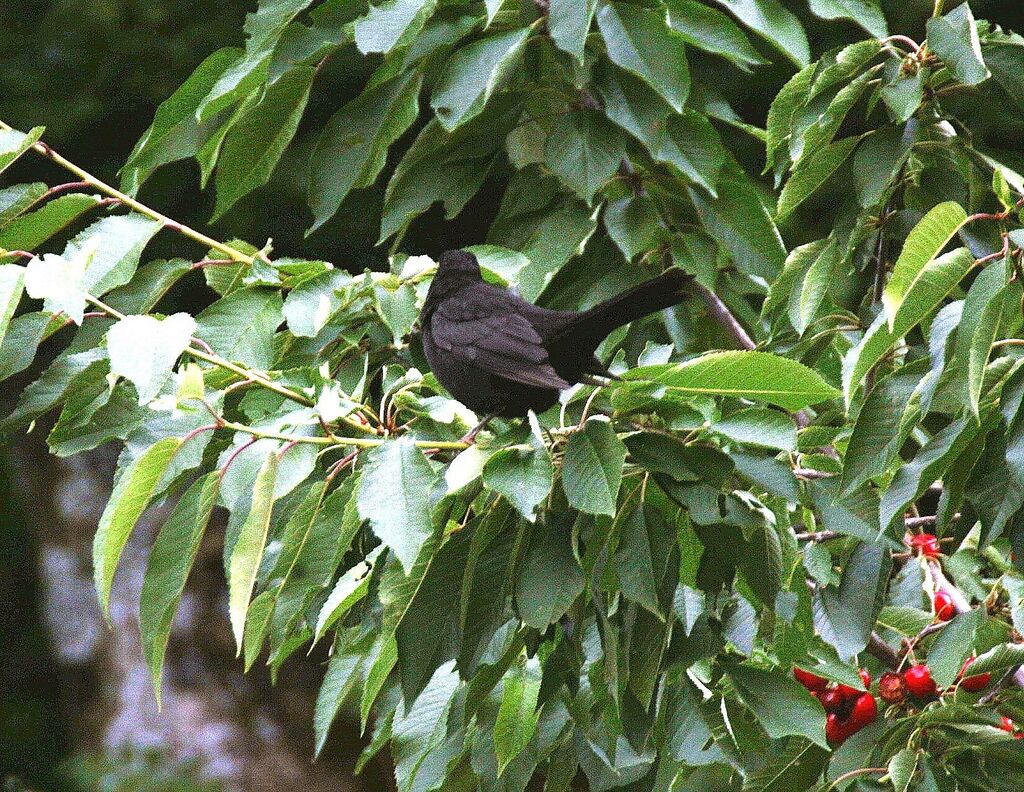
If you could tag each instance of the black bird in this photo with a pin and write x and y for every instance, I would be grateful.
(502, 356)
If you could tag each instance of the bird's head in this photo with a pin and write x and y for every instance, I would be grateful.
(459, 264)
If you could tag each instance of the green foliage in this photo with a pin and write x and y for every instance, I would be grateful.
(613, 593)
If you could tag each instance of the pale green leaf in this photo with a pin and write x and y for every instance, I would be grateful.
(247, 553)
(517, 714)
(132, 493)
(144, 349)
(759, 376)
(14, 143)
(29, 231)
(391, 23)
(712, 31)
(12, 284)
(394, 495)
(925, 242)
(781, 704)
(170, 561)
(568, 24)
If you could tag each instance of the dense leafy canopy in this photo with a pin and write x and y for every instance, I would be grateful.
(613, 593)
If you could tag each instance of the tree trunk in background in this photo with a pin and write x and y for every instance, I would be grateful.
(232, 728)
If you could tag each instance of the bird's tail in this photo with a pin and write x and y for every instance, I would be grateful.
(666, 290)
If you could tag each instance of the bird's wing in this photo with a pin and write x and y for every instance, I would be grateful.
(490, 335)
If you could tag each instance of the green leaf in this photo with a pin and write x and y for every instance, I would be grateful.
(473, 74)
(17, 198)
(391, 23)
(350, 588)
(844, 617)
(954, 38)
(689, 143)
(781, 704)
(998, 659)
(144, 349)
(782, 113)
(640, 41)
(865, 13)
(913, 268)
(517, 714)
(394, 495)
(247, 553)
(759, 376)
(112, 248)
(568, 25)
(354, 143)
(937, 280)
(240, 327)
(883, 425)
(814, 172)
(132, 493)
(635, 567)
(592, 467)
(344, 672)
(175, 133)
(29, 231)
(757, 426)
(523, 474)
(14, 143)
(928, 465)
(983, 310)
(263, 29)
(12, 284)
(584, 150)
(774, 23)
(902, 767)
(953, 646)
(712, 31)
(444, 167)
(815, 285)
(550, 579)
(740, 223)
(170, 561)
(635, 225)
(798, 767)
(258, 139)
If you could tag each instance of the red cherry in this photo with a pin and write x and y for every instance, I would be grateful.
(836, 730)
(865, 677)
(848, 693)
(810, 681)
(943, 604)
(1007, 724)
(832, 700)
(927, 543)
(864, 712)
(919, 681)
(892, 688)
(974, 683)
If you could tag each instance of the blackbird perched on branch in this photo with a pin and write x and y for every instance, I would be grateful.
(502, 356)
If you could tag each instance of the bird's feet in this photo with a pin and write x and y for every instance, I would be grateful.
(470, 437)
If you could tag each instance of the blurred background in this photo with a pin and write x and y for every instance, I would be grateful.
(76, 709)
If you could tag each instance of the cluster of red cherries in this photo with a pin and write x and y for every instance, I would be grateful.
(849, 710)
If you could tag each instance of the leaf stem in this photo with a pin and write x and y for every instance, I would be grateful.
(88, 179)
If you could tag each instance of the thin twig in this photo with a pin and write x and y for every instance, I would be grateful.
(127, 200)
